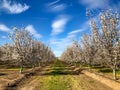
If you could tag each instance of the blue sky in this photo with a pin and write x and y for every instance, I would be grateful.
(54, 22)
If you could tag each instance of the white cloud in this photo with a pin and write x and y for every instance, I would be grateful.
(52, 3)
(93, 4)
(4, 28)
(76, 31)
(83, 28)
(13, 7)
(3, 37)
(32, 30)
(55, 6)
(101, 4)
(60, 44)
(58, 25)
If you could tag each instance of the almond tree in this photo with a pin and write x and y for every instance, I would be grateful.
(77, 53)
(34, 52)
(22, 41)
(109, 38)
(89, 49)
(40, 53)
(67, 55)
(7, 51)
(73, 54)
(1, 53)
(50, 55)
(47, 54)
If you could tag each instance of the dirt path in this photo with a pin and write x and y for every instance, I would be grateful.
(58, 78)
(30, 84)
(83, 82)
(62, 82)
(7, 76)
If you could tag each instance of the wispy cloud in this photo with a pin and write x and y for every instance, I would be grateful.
(32, 30)
(13, 7)
(52, 3)
(84, 27)
(76, 31)
(4, 28)
(94, 4)
(59, 44)
(55, 6)
(3, 37)
(58, 25)
(101, 4)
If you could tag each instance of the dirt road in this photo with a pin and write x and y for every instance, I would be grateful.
(64, 82)
(58, 78)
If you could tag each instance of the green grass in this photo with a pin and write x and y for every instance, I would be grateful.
(91, 81)
(58, 68)
(16, 68)
(105, 70)
(56, 78)
(108, 72)
(57, 63)
(58, 72)
(55, 83)
(118, 73)
(13, 68)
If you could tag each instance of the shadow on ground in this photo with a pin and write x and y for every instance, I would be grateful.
(60, 71)
(2, 74)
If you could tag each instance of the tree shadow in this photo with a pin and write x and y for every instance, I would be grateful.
(105, 70)
(60, 71)
(2, 74)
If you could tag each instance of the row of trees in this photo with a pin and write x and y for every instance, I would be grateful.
(102, 46)
(25, 50)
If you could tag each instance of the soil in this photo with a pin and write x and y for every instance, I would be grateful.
(52, 78)
(77, 82)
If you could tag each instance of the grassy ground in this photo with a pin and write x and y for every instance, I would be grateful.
(106, 72)
(70, 82)
(56, 82)
(57, 77)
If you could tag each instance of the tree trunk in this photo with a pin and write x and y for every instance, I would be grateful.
(21, 69)
(33, 66)
(89, 67)
(114, 74)
(39, 64)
